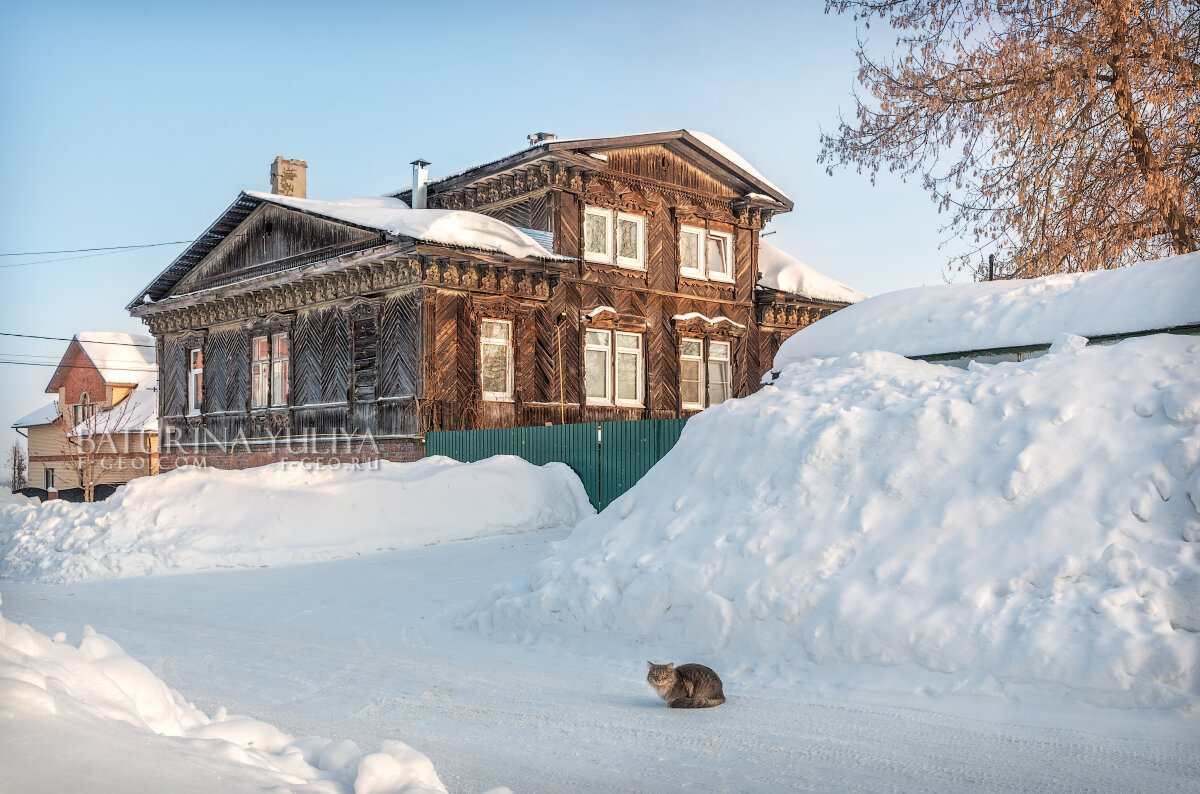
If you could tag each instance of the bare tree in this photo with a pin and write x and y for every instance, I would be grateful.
(97, 439)
(17, 462)
(1066, 132)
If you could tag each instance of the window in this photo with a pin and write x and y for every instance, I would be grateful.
(269, 370)
(495, 360)
(613, 358)
(195, 380)
(704, 253)
(691, 376)
(84, 410)
(596, 235)
(704, 380)
(49, 478)
(610, 236)
(279, 369)
(718, 372)
(260, 364)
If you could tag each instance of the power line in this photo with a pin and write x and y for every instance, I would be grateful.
(104, 248)
(78, 366)
(72, 339)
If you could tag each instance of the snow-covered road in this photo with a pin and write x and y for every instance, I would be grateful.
(366, 649)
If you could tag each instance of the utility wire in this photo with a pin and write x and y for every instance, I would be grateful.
(72, 339)
(77, 366)
(105, 248)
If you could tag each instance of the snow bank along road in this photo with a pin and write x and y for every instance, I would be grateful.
(366, 649)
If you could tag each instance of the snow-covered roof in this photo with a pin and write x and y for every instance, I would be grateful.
(137, 413)
(990, 315)
(780, 270)
(118, 357)
(445, 227)
(42, 416)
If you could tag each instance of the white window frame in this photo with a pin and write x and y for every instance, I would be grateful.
(639, 397)
(605, 257)
(727, 360)
(195, 395)
(702, 391)
(507, 394)
(727, 239)
(698, 271)
(702, 271)
(637, 262)
(606, 349)
(611, 355)
(705, 359)
(48, 477)
(610, 255)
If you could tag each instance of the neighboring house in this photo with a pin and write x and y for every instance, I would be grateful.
(1010, 320)
(584, 280)
(102, 428)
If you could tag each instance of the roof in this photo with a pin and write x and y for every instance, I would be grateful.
(390, 215)
(119, 358)
(42, 416)
(384, 214)
(699, 148)
(137, 413)
(781, 271)
(994, 315)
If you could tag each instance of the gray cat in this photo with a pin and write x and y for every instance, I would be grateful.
(688, 686)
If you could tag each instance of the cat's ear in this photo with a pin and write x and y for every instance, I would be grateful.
(650, 663)
(670, 665)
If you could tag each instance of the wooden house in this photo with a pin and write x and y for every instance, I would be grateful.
(575, 280)
(101, 428)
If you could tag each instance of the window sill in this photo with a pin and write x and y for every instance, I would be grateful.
(497, 399)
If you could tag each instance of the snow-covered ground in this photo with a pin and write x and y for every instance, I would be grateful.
(192, 519)
(911, 577)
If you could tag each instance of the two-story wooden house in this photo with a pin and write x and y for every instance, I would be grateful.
(575, 280)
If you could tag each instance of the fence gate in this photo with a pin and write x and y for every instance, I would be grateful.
(609, 457)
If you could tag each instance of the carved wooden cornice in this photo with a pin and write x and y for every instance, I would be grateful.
(368, 277)
(509, 186)
(790, 315)
(513, 278)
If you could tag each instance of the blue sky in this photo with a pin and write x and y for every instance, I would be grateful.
(133, 123)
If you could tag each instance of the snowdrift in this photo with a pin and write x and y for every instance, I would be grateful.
(1029, 523)
(951, 318)
(91, 718)
(196, 518)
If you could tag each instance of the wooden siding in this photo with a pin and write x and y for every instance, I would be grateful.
(534, 212)
(661, 165)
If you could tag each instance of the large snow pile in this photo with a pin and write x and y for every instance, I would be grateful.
(91, 718)
(1024, 523)
(951, 318)
(196, 518)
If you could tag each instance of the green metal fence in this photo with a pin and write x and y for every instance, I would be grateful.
(609, 457)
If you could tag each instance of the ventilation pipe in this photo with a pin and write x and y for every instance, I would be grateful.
(420, 187)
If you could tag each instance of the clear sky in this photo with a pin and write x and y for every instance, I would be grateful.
(129, 123)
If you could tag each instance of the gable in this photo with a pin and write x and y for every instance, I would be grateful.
(658, 163)
(273, 238)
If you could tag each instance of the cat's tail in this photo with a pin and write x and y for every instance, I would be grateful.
(696, 703)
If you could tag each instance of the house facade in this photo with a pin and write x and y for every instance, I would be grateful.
(573, 281)
(101, 427)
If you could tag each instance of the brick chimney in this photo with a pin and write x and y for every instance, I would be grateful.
(288, 177)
